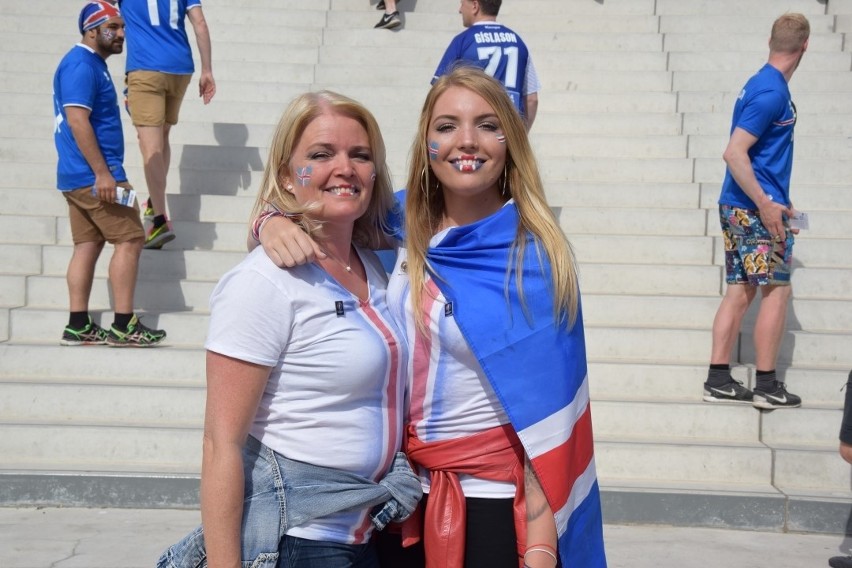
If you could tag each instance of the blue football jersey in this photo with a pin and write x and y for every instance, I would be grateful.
(156, 35)
(82, 79)
(499, 51)
(765, 110)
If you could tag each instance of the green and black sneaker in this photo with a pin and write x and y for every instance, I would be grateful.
(90, 334)
(137, 335)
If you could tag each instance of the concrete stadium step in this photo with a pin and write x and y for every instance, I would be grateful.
(807, 170)
(568, 101)
(12, 293)
(555, 145)
(33, 325)
(675, 346)
(739, 62)
(632, 194)
(611, 123)
(682, 422)
(641, 249)
(812, 472)
(664, 170)
(598, 60)
(807, 147)
(119, 404)
(620, 278)
(723, 102)
(649, 312)
(806, 348)
(625, 462)
(733, 7)
(73, 364)
(235, 71)
(20, 44)
(100, 448)
(730, 22)
(307, 22)
(656, 382)
(164, 264)
(807, 428)
(807, 124)
(579, 41)
(805, 81)
(152, 295)
(747, 42)
(626, 221)
(450, 20)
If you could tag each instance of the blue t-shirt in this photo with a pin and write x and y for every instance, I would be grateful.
(765, 110)
(156, 35)
(82, 79)
(496, 49)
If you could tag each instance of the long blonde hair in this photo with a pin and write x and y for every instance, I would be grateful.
(299, 114)
(424, 207)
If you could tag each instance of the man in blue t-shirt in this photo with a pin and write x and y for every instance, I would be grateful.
(159, 68)
(90, 174)
(755, 212)
(499, 51)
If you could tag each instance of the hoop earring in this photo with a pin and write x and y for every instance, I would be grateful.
(506, 191)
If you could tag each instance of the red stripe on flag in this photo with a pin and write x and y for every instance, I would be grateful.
(577, 451)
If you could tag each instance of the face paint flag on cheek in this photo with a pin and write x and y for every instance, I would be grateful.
(433, 150)
(304, 175)
(501, 138)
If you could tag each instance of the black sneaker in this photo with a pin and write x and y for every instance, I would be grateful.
(840, 562)
(734, 391)
(388, 22)
(137, 335)
(91, 334)
(778, 398)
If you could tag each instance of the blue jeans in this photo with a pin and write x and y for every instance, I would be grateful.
(281, 493)
(302, 553)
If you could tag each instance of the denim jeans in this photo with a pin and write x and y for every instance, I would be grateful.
(302, 553)
(281, 493)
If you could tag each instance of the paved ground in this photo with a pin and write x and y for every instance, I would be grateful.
(134, 538)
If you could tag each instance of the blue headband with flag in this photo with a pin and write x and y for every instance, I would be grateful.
(96, 13)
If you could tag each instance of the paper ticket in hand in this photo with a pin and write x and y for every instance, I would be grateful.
(124, 196)
(799, 220)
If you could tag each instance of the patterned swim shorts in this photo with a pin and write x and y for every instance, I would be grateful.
(752, 256)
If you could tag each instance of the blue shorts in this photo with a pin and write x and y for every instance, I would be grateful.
(752, 256)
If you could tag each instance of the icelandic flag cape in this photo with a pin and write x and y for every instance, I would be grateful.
(536, 366)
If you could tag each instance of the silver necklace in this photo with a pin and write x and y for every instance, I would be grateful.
(346, 266)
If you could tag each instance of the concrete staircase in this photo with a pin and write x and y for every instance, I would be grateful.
(633, 119)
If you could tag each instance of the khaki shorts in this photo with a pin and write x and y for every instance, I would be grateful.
(92, 220)
(154, 98)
